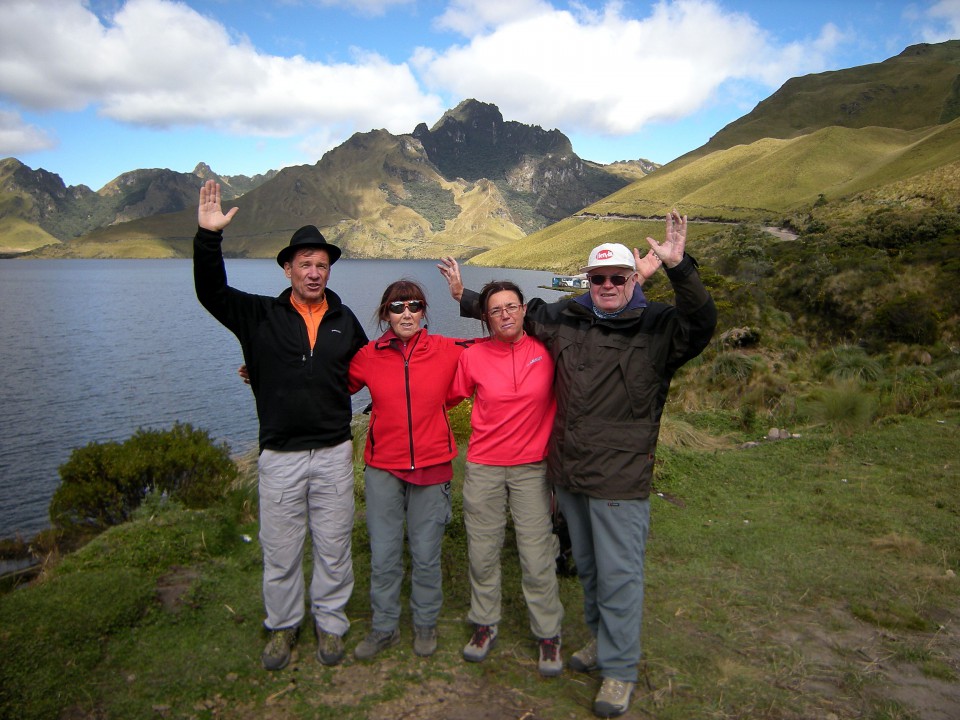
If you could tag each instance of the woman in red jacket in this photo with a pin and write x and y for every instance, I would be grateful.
(408, 457)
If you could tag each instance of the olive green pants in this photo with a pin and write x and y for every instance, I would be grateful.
(487, 489)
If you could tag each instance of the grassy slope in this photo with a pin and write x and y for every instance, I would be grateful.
(17, 236)
(768, 178)
(909, 91)
(794, 579)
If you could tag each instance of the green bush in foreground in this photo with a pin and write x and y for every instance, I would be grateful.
(103, 483)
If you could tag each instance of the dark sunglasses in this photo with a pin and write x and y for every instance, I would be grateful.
(397, 306)
(617, 280)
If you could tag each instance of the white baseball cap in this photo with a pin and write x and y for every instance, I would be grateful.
(610, 255)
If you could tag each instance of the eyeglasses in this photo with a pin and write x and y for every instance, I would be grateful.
(397, 306)
(498, 311)
(617, 280)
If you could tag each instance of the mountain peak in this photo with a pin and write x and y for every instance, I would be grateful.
(471, 112)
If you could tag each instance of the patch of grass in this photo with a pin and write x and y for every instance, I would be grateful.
(767, 567)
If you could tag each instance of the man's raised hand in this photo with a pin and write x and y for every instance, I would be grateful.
(450, 269)
(671, 250)
(210, 216)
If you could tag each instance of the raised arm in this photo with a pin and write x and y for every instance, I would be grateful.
(450, 269)
(210, 216)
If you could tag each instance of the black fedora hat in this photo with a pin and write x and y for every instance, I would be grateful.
(307, 237)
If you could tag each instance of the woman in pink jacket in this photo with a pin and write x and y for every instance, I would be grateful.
(408, 456)
(511, 380)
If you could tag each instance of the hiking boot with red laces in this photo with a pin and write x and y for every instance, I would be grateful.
(550, 664)
(484, 636)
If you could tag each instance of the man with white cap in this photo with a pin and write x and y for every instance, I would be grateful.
(615, 356)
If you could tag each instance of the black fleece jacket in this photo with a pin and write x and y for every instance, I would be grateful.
(301, 392)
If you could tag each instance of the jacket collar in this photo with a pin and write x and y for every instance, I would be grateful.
(389, 339)
(334, 302)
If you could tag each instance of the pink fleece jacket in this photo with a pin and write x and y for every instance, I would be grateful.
(514, 406)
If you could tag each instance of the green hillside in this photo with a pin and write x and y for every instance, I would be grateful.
(18, 236)
(916, 89)
(770, 179)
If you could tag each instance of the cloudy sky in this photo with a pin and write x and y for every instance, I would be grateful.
(93, 88)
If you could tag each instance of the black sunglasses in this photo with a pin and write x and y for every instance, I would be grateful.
(617, 280)
(397, 306)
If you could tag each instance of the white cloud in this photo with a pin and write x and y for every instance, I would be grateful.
(471, 17)
(943, 22)
(18, 137)
(608, 72)
(56, 54)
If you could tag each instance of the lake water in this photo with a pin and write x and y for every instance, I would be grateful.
(91, 350)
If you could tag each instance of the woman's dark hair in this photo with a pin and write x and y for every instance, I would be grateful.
(400, 290)
(492, 288)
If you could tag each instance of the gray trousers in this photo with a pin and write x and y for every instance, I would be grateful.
(426, 509)
(486, 491)
(608, 539)
(299, 490)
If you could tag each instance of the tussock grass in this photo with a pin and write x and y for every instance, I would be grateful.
(845, 406)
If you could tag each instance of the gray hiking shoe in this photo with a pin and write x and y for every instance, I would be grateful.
(374, 642)
(550, 663)
(276, 654)
(329, 647)
(585, 659)
(613, 698)
(424, 640)
(484, 636)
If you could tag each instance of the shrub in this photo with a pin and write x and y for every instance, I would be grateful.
(103, 483)
(460, 422)
(732, 368)
(913, 390)
(845, 406)
(848, 362)
(908, 319)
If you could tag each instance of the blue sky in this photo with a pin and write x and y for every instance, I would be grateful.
(90, 89)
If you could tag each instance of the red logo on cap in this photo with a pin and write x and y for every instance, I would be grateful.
(604, 254)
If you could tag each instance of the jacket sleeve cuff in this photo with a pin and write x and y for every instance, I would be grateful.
(470, 304)
(686, 266)
(209, 235)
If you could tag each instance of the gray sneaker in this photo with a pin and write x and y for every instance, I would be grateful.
(550, 663)
(424, 640)
(376, 641)
(613, 698)
(585, 659)
(484, 636)
(329, 647)
(276, 654)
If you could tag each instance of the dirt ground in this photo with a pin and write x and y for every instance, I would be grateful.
(836, 646)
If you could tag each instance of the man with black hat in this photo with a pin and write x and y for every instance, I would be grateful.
(297, 348)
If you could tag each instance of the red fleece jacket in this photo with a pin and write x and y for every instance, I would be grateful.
(408, 426)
